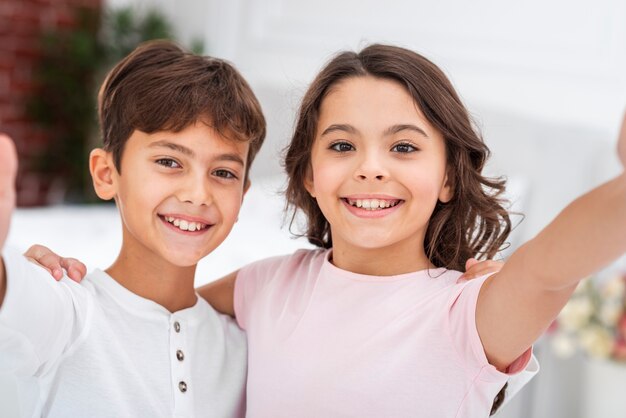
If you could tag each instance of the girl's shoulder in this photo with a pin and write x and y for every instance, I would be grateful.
(299, 262)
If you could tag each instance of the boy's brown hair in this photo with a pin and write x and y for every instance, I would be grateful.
(161, 87)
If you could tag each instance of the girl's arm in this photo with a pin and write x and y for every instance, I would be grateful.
(516, 305)
(220, 294)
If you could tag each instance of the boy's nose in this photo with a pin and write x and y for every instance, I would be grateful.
(196, 191)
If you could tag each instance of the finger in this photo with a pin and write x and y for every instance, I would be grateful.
(484, 268)
(481, 268)
(470, 262)
(75, 269)
(621, 142)
(51, 263)
(37, 251)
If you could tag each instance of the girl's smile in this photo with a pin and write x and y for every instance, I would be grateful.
(372, 206)
(378, 168)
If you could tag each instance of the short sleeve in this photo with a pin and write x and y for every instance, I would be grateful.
(465, 337)
(250, 281)
(39, 318)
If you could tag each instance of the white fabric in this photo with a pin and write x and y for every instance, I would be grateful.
(99, 350)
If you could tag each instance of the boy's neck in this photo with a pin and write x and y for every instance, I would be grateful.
(158, 280)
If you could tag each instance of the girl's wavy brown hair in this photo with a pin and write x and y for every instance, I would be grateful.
(474, 223)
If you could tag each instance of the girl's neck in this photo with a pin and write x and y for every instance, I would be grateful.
(388, 261)
(155, 279)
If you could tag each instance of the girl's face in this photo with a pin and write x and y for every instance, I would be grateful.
(378, 168)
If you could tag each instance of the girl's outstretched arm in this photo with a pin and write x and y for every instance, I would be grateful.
(516, 305)
(220, 294)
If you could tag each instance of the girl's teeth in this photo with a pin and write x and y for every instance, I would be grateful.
(176, 222)
(372, 204)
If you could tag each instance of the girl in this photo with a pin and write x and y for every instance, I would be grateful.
(386, 167)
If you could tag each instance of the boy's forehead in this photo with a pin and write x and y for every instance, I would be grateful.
(195, 140)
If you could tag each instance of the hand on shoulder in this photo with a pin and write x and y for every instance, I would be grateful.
(621, 142)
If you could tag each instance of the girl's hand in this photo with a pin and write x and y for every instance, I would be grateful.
(475, 268)
(621, 143)
(55, 264)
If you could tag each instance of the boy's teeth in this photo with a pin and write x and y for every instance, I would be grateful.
(185, 225)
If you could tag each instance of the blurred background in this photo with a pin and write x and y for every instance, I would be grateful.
(544, 80)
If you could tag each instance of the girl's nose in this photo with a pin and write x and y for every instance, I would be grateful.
(371, 167)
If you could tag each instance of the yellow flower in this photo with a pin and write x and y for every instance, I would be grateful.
(597, 341)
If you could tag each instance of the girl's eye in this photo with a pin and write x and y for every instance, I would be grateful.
(168, 162)
(342, 147)
(403, 148)
(224, 174)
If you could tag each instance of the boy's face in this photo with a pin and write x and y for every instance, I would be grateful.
(179, 193)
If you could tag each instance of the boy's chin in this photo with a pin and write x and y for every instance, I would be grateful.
(185, 260)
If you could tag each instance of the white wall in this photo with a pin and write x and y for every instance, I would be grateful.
(546, 80)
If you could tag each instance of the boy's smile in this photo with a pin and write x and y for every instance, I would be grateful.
(179, 194)
(378, 168)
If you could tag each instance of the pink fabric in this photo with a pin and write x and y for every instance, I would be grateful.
(324, 342)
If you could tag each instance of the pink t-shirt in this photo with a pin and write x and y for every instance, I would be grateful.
(325, 342)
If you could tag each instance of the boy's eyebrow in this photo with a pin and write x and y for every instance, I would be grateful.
(404, 127)
(188, 152)
(175, 147)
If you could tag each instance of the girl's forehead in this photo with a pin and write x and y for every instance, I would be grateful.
(370, 102)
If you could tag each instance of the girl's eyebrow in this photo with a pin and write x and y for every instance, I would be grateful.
(405, 127)
(340, 127)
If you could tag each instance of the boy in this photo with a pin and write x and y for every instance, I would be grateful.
(180, 132)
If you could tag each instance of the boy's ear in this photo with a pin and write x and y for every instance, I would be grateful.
(246, 187)
(103, 173)
(447, 191)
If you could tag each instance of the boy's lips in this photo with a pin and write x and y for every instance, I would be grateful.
(184, 223)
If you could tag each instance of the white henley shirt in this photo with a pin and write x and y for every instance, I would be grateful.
(96, 349)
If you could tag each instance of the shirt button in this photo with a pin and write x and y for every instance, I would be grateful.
(182, 386)
(180, 355)
(177, 326)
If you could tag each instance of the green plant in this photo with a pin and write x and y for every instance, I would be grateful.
(64, 101)
(74, 61)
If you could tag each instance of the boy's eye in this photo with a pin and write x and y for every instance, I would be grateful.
(403, 148)
(225, 174)
(341, 146)
(168, 162)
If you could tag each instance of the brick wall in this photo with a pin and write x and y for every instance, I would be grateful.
(21, 25)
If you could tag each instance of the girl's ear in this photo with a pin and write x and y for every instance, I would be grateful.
(447, 191)
(103, 173)
(309, 185)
